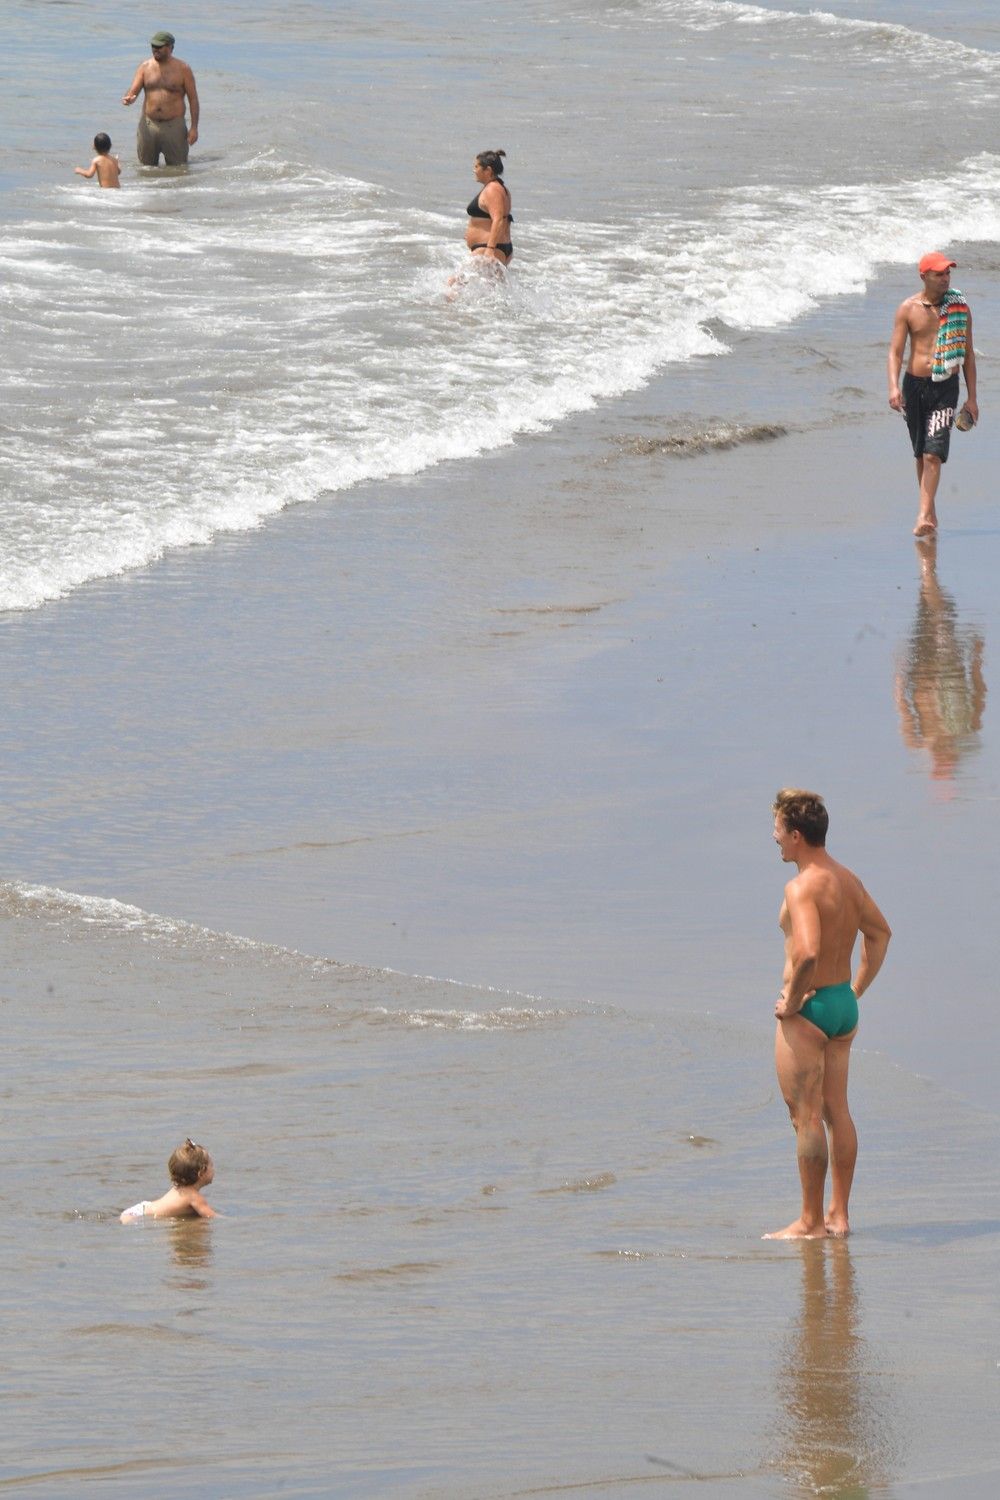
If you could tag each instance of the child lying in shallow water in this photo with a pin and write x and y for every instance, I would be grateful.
(190, 1168)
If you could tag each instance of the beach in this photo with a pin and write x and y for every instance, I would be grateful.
(472, 1244)
(388, 767)
(553, 709)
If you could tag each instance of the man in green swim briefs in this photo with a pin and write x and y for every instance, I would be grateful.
(824, 910)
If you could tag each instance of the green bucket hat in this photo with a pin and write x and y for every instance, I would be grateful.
(161, 39)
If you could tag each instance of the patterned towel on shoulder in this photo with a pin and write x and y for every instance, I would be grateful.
(953, 332)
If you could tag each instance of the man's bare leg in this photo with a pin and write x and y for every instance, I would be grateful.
(843, 1136)
(928, 478)
(799, 1056)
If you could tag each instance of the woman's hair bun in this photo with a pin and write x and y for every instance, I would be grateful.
(493, 160)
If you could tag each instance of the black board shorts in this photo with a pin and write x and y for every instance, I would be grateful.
(930, 412)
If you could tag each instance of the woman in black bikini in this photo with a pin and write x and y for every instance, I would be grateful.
(489, 212)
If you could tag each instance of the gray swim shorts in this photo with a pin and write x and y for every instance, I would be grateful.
(167, 136)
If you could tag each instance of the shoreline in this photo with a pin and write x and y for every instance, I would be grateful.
(448, 726)
(764, 384)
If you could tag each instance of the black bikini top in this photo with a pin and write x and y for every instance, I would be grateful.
(475, 212)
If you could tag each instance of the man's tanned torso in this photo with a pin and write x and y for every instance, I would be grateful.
(165, 86)
(923, 319)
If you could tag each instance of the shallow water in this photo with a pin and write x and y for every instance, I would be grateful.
(459, 1253)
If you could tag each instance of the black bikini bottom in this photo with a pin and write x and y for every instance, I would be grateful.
(507, 249)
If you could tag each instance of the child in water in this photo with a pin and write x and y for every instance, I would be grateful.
(106, 167)
(190, 1169)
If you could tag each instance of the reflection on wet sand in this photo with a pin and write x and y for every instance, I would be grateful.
(835, 1436)
(940, 688)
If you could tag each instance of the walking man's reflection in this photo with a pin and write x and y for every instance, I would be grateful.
(940, 688)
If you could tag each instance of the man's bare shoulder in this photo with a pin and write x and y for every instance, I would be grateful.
(817, 878)
(910, 306)
(842, 872)
(800, 885)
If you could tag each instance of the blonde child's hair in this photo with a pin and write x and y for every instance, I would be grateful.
(187, 1164)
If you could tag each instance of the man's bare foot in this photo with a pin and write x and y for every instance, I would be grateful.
(925, 528)
(837, 1226)
(798, 1231)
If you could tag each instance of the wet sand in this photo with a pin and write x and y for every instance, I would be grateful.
(469, 1245)
(520, 723)
(516, 724)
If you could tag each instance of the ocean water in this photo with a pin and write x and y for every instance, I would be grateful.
(359, 627)
(194, 354)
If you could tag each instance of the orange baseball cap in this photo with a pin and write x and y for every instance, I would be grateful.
(935, 261)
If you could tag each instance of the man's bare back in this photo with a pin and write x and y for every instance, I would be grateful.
(836, 894)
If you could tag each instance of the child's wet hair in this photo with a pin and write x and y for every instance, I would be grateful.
(187, 1164)
(102, 142)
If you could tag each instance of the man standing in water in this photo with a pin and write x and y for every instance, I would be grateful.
(938, 323)
(167, 83)
(824, 909)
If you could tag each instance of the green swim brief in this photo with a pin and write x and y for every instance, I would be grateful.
(834, 1009)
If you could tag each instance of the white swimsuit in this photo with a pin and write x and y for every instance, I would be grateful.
(138, 1210)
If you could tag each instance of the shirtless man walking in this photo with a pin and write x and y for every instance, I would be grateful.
(938, 323)
(167, 83)
(824, 909)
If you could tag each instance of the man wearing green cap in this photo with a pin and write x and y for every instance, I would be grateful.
(167, 82)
